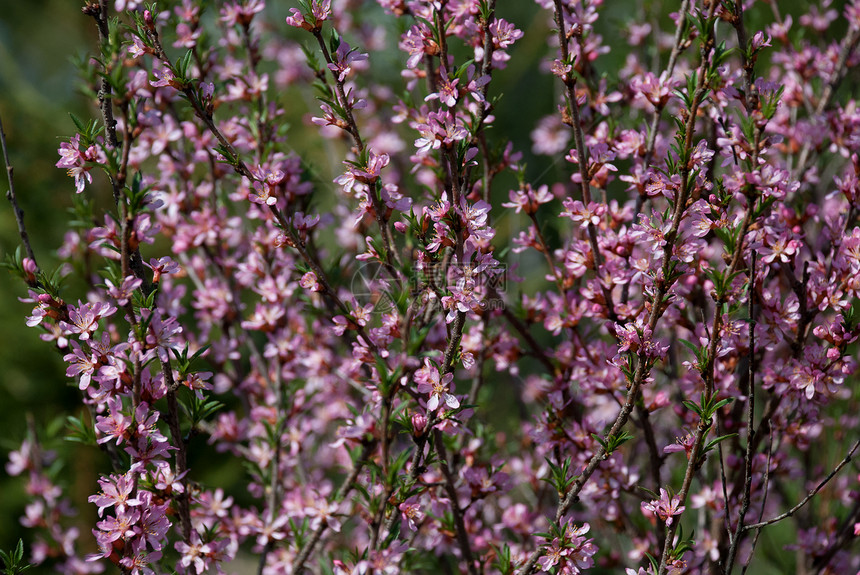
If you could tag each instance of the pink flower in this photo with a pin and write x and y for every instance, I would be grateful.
(781, 248)
(583, 215)
(119, 527)
(196, 555)
(82, 364)
(429, 381)
(447, 93)
(343, 59)
(163, 78)
(552, 555)
(84, 319)
(140, 561)
(415, 42)
(241, 13)
(116, 425)
(323, 513)
(309, 282)
(115, 492)
(666, 507)
(684, 444)
(411, 513)
(320, 12)
(74, 161)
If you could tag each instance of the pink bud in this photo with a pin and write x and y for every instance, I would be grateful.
(660, 400)
(29, 268)
(419, 422)
(400, 227)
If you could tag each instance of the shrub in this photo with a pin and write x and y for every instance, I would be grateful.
(640, 359)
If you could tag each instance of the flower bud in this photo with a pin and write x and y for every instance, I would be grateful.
(419, 422)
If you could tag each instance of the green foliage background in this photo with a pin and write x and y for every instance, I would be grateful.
(38, 87)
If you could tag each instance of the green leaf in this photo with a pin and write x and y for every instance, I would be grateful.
(13, 561)
(713, 443)
(693, 407)
(80, 432)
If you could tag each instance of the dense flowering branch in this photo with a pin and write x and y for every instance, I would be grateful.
(413, 378)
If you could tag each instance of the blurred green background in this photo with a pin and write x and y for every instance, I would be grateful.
(38, 88)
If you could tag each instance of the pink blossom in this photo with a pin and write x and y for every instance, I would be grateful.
(666, 507)
(438, 386)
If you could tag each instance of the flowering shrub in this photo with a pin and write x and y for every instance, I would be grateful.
(644, 372)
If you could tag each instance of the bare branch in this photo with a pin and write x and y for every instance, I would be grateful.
(13, 199)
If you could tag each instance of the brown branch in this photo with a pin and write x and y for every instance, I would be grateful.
(100, 15)
(655, 119)
(582, 153)
(486, 70)
(274, 484)
(414, 471)
(748, 456)
(16, 209)
(656, 458)
(683, 11)
(545, 250)
(535, 347)
(451, 490)
(701, 433)
(809, 495)
(342, 492)
(178, 442)
(373, 192)
(766, 484)
(130, 258)
(848, 46)
(680, 205)
(253, 58)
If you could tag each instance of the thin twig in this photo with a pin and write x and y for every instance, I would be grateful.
(683, 11)
(342, 492)
(451, 490)
(105, 92)
(373, 192)
(809, 495)
(748, 456)
(178, 442)
(582, 154)
(19, 213)
(766, 484)
(708, 373)
(847, 48)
